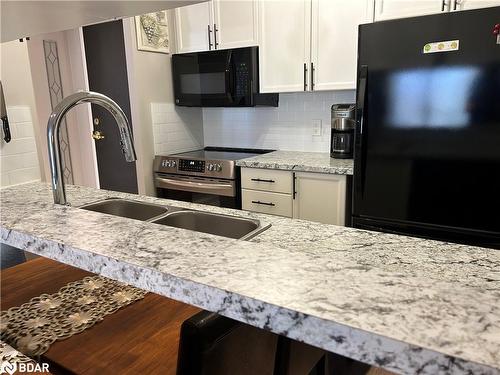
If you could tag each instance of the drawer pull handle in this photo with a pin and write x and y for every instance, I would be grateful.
(261, 180)
(264, 203)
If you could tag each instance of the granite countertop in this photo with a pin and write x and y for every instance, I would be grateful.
(320, 162)
(405, 304)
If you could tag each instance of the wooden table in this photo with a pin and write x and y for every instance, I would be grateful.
(142, 337)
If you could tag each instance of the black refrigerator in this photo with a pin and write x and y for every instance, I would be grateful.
(427, 144)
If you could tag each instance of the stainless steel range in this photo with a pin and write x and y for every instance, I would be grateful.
(208, 176)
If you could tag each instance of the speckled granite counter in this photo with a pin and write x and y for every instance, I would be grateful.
(406, 304)
(320, 162)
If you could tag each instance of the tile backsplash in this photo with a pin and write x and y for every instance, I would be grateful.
(287, 127)
(176, 129)
(18, 158)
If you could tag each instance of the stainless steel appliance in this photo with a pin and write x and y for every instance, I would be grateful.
(342, 136)
(427, 159)
(219, 78)
(208, 176)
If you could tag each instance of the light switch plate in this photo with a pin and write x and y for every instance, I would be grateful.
(316, 127)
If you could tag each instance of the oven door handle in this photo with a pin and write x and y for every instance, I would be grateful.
(203, 185)
(226, 189)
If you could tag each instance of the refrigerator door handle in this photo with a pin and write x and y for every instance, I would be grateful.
(363, 75)
(360, 115)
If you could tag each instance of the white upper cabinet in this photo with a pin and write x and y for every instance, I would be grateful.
(284, 45)
(235, 23)
(310, 45)
(193, 27)
(387, 9)
(474, 4)
(334, 40)
(216, 24)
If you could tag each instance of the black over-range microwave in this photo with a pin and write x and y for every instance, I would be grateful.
(219, 78)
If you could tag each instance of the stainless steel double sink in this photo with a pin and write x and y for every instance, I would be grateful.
(199, 221)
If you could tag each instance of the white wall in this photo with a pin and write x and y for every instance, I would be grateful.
(19, 158)
(287, 127)
(151, 102)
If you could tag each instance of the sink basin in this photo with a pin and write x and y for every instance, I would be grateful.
(206, 222)
(199, 221)
(127, 208)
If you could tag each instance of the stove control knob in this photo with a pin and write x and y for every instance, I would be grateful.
(218, 167)
(173, 164)
(210, 167)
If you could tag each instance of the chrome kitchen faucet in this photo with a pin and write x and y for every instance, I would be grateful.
(54, 125)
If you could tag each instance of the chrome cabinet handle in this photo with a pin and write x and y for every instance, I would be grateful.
(264, 203)
(294, 191)
(305, 77)
(312, 76)
(215, 36)
(261, 180)
(209, 38)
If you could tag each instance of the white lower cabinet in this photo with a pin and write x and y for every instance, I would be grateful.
(301, 195)
(267, 203)
(320, 197)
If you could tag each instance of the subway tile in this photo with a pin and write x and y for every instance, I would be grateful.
(4, 179)
(24, 175)
(24, 130)
(159, 117)
(18, 146)
(10, 163)
(287, 127)
(19, 114)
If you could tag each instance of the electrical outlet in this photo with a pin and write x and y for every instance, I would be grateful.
(316, 127)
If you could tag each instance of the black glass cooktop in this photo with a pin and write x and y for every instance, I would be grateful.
(220, 153)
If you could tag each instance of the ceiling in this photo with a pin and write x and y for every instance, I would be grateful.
(20, 19)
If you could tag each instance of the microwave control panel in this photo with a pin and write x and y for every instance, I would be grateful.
(242, 79)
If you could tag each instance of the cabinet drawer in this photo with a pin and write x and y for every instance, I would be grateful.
(266, 180)
(267, 203)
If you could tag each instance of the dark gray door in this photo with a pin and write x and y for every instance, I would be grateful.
(107, 74)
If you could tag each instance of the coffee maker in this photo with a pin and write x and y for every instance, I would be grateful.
(342, 137)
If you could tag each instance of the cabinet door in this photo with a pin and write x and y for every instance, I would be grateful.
(474, 4)
(191, 27)
(320, 197)
(334, 41)
(387, 9)
(284, 44)
(235, 23)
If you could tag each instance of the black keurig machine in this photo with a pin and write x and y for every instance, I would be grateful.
(342, 138)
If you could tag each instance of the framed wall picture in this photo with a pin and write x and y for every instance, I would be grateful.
(152, 32)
